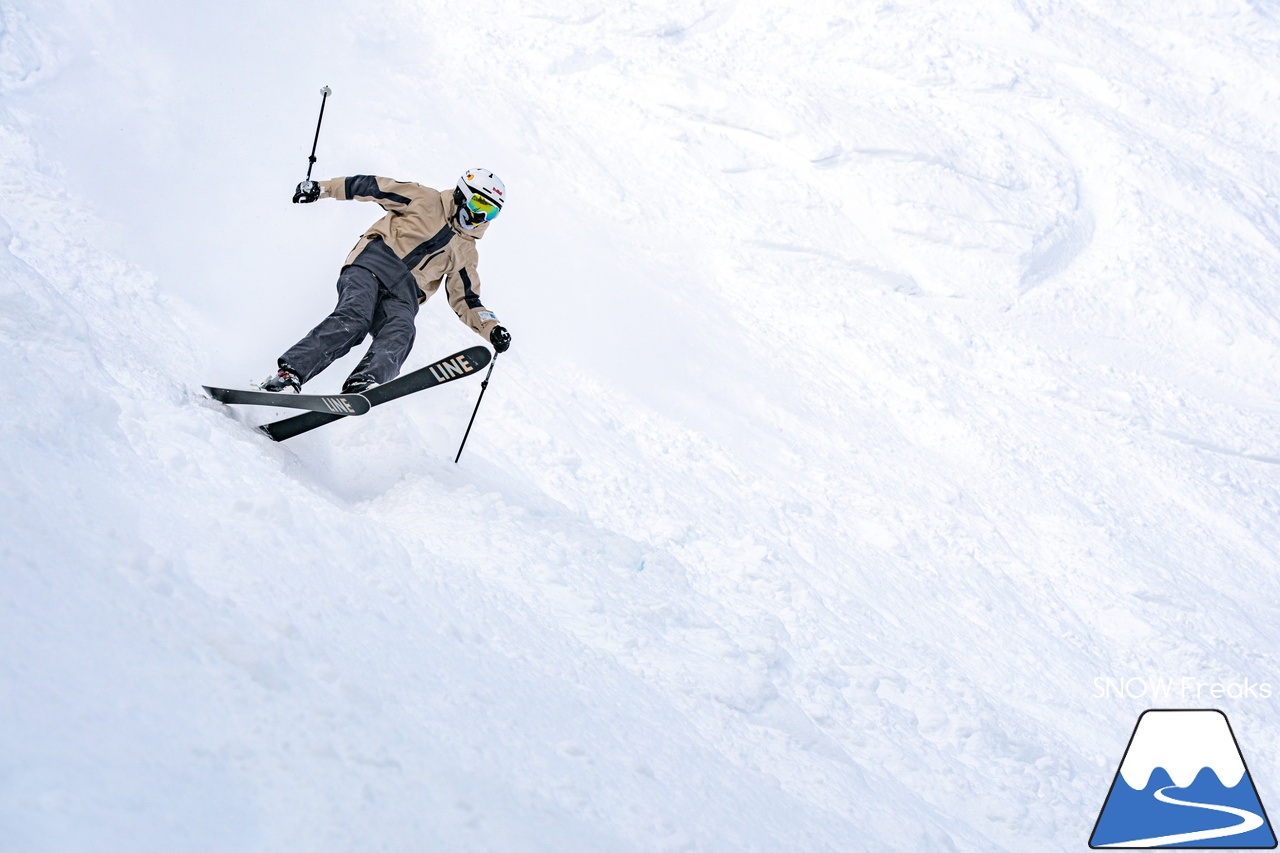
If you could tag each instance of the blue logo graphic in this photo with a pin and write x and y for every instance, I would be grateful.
(1183, 783)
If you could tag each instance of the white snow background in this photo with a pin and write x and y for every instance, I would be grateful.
(883, 374)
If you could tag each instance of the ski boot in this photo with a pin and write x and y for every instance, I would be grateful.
(358, 384)
(285, 380)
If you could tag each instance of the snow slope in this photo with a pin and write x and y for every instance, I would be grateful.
(884, 374)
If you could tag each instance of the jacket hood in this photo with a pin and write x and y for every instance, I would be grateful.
(451, 215)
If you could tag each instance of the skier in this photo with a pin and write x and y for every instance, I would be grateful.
(426, 236)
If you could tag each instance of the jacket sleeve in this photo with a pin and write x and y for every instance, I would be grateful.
(463, 289)
(391, 194)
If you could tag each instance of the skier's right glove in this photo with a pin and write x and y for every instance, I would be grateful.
(307, 192)
(500, 338)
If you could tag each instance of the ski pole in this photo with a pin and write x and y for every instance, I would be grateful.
(483, 386)
(306, 186)
(311, 161)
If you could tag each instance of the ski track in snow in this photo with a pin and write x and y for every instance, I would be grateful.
(887, 373)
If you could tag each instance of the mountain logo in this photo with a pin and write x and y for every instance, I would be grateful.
(1183, 783)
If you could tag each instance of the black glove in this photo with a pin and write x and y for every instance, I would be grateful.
(307, 192)
(500, 338)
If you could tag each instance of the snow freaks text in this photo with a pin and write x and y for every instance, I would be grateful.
(1154, 687)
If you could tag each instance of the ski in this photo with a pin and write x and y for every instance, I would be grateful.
(340, 405)
(456, 366)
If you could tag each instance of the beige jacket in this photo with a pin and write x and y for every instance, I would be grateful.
(424, 240)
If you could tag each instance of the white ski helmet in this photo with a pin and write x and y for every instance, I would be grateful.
(480, 196)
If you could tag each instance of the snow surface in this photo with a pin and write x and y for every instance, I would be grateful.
(884, 375)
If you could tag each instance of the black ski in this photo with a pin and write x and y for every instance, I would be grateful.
(340, 405)
(456, 366)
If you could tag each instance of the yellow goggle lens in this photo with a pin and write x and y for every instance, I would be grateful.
(482, 206)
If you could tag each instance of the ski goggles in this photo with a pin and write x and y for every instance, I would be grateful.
(484, 209)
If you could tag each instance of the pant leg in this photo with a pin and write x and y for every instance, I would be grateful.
(336, 334)
(393, 335)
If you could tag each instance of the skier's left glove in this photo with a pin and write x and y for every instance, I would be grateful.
(307, 192)
(500, 338)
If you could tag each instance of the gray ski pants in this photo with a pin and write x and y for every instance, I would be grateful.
(365, 306)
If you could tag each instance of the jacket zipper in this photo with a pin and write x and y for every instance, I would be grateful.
(423, 265)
